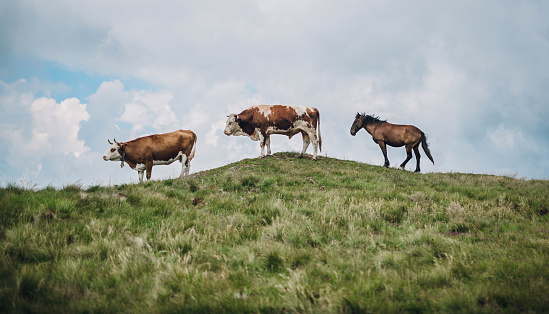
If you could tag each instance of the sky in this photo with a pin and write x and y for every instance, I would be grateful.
(472, 75)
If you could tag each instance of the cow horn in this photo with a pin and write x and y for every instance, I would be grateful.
(115, 141)
(109, 141)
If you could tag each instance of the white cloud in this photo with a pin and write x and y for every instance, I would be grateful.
(213, 135)
(35, 173)
(37, 132)
(13, 96)
(150, 109)
(58, 124)
(510, 138)
(503, 137)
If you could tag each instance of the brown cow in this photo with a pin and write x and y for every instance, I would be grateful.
(259, 122)
(158, 149)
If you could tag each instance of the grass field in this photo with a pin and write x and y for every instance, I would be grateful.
(279, 234)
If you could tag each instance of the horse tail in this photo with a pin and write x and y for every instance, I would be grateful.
(426, 147)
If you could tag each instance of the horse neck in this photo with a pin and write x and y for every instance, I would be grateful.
(370, 128)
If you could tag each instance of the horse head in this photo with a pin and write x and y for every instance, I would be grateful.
(357, 124)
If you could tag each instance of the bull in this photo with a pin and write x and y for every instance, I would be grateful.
(259, 122)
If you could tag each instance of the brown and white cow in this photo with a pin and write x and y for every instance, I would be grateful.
(159, 149)
(259, 122)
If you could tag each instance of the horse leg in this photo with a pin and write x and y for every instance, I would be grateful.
(408, 157)
(418, 156)
(384, 151)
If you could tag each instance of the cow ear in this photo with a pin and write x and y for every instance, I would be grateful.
(237, 119)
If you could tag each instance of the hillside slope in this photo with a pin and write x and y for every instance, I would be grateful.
(280, 234)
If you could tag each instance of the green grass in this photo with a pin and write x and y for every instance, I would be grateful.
(279, 234)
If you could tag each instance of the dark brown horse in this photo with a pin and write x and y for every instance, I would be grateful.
(384, 133)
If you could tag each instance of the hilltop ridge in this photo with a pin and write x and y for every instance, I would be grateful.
(279, 234)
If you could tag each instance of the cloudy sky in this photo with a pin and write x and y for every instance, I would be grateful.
(473, 75)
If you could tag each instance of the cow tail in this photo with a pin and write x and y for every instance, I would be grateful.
(426, 147)
(319, 137)
(193, 150)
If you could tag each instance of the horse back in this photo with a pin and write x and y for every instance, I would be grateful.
(397, 135)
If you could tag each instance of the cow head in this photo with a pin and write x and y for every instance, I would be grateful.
(233, 125)
(113, 154)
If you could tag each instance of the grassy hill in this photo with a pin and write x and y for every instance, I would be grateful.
(279, 234)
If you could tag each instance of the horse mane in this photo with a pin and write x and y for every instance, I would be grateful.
(370, 118)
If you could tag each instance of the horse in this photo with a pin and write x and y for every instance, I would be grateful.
(384, 133)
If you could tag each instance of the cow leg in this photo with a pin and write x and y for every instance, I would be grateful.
(408, 157)
(268, 143)
(418, 156)
(306, 142)
(140, 172)
(262, 145)
(188, 167)
(315, 145)
(148, 170)
(384, 151)
(184, 166)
